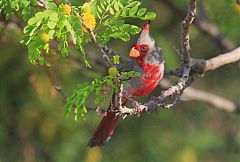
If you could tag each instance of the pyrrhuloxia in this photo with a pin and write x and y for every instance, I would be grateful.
(148, 60)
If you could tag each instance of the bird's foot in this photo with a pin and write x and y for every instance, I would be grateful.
(139, 111)
(137, 108)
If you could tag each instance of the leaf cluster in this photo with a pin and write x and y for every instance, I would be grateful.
(65, 31)
(111, 15)
(60, 27)
(100, 87)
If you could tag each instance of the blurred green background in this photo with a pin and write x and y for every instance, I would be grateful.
(33, 127)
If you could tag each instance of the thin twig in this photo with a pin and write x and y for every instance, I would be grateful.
(120, 97)
(191, 14)
(100, 47)
(59, 89)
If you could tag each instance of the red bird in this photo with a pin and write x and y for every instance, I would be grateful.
(149, 61)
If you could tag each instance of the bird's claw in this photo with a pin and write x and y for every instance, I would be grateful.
(138, 109)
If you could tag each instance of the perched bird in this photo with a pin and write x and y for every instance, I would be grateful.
(148, 60)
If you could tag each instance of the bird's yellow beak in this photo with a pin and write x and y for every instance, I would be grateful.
(134, 52)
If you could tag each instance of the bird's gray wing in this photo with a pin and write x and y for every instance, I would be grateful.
(126, 66)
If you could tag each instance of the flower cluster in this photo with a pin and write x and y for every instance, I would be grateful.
(89, 21)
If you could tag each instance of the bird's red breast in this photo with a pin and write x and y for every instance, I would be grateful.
(149, 80)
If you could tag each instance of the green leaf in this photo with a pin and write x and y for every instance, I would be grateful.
(51, 34)
(84, 109)
(111, 30)
(99, 9)
(39, 23)
(116, 6)
(54, 16)
(28, 28)
(52, 6)
(47, 13)
(141, 12)
(119, 23)
(133, 10)
(39, 15)
(111, 10)
(68, 25)
(25, 3)
(77, 117)
(51, 24)
(61, 21)
(102, 5)
(25, 39)
(15, 5)
(125, 12)
(32, 31)
(98, 16)
(32, 21)
(150, 15)
(124, 36)
(120, 4)
(136, 74)
(118, 13)
(132, 29)
(116, 59)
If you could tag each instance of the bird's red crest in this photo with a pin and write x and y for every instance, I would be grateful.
(146, 26)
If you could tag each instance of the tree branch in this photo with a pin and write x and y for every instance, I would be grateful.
(202, 66)
(193, 94)
(186, 50)
(222, 59)
(212, 99)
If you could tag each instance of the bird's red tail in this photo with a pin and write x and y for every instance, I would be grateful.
(105, 129)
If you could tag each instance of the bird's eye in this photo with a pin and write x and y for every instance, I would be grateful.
(143, 48)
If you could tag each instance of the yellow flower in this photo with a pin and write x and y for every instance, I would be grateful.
(89, 21)
(67, 9)
(44, 37)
